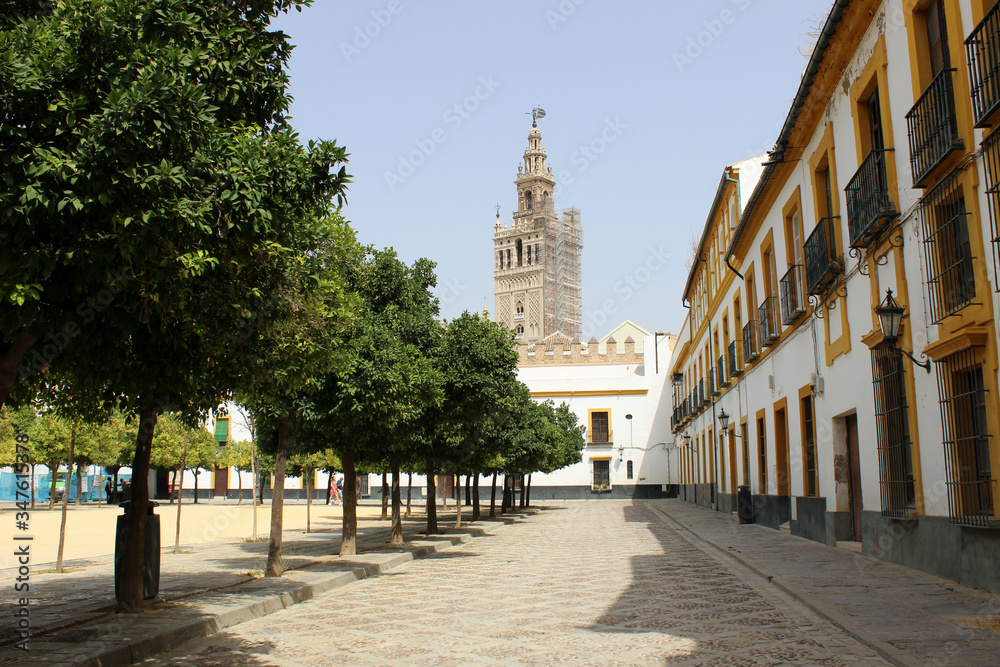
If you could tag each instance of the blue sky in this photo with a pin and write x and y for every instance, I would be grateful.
(646, 102)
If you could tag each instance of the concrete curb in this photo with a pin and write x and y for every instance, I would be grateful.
(134, 638)
(799, 594)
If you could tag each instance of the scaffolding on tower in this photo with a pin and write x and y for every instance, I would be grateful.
(563, 248)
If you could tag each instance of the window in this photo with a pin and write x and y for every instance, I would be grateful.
(529, 253)
(895, 460)
(628, 470)
(538, 252)
(602, 473)
(809, 447)
(599, 431)
(520, 331)
(962, 396)
(951, 281)
(762, 453)
(869, 205)
(500, 255)
(520, 251)
(222, 430)
(991, 158)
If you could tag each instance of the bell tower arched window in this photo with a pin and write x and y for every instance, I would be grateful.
(520, 331)
(520, 252)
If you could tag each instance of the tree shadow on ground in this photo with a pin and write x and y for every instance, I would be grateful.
(709, 613)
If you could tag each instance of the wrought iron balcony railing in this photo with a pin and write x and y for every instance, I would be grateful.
(750, 348)
(720, 369)
(734, 367)
(869, 206)
(767, 321)
(713, 386)
(823, 265)
(793, 303)
(932, 127)
(702, 394)
(983, 50)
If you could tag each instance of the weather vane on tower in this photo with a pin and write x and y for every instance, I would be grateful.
(536, 113)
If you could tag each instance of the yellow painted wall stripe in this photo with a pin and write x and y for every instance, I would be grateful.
(590, 392)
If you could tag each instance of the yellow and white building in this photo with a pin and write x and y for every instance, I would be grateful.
(885, 176)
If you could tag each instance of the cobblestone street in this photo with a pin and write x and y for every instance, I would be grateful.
(602, 583)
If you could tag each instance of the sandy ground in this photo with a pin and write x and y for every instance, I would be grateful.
(90, 531)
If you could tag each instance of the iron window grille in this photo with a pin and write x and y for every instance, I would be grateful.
(734, 367)
(602, 473)
(750, 349)
(951, 281)
(823, 265)
(991, 160)
(983, 51)
(932, 128)
(790, 288)
(869, 206)
(962, 397)
(721, 370)
(892, 429)
(767, 317)
(808, 425)
(599, 432)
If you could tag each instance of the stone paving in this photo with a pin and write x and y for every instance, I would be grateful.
(595, 583)
(911, 616)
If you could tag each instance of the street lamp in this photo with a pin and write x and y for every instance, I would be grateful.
(723, 419)
(890, 316)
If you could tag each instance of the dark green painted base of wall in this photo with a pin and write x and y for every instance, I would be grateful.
(932, 544)
(539, 493)
(838, 524)
(810, 521)
(772, 511)
(727, 502)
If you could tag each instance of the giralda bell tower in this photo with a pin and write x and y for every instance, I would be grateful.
(536, 272)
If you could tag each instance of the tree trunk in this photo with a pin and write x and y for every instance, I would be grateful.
(504, 504)
(468, 490)
(458, 500)
(475, 497)
(253, 475)
(177, 531)
(522, 491)
(196, 470)
(444, 497)
(349, 525)
(54, 472)
(409, 493)
(277, 501)
(309, 499)
(173, 485)
(397, 520)
(79, 484)
(527, 502)
(385, 495)
(65, 503)
(432, 519)
(8, 364)
(130, 594)
(493, 495)
(239, 485)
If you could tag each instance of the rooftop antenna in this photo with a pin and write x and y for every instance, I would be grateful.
(536, 113)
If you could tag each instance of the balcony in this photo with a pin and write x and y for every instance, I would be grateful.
(767, 322)
(519, 316)
(869, 206)
(750, 349)
(734, 368)
(823, 265)
(983, 50)
(713, 385)
(932, 128)
(720, 369)
(793, 305)
(702, 394)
